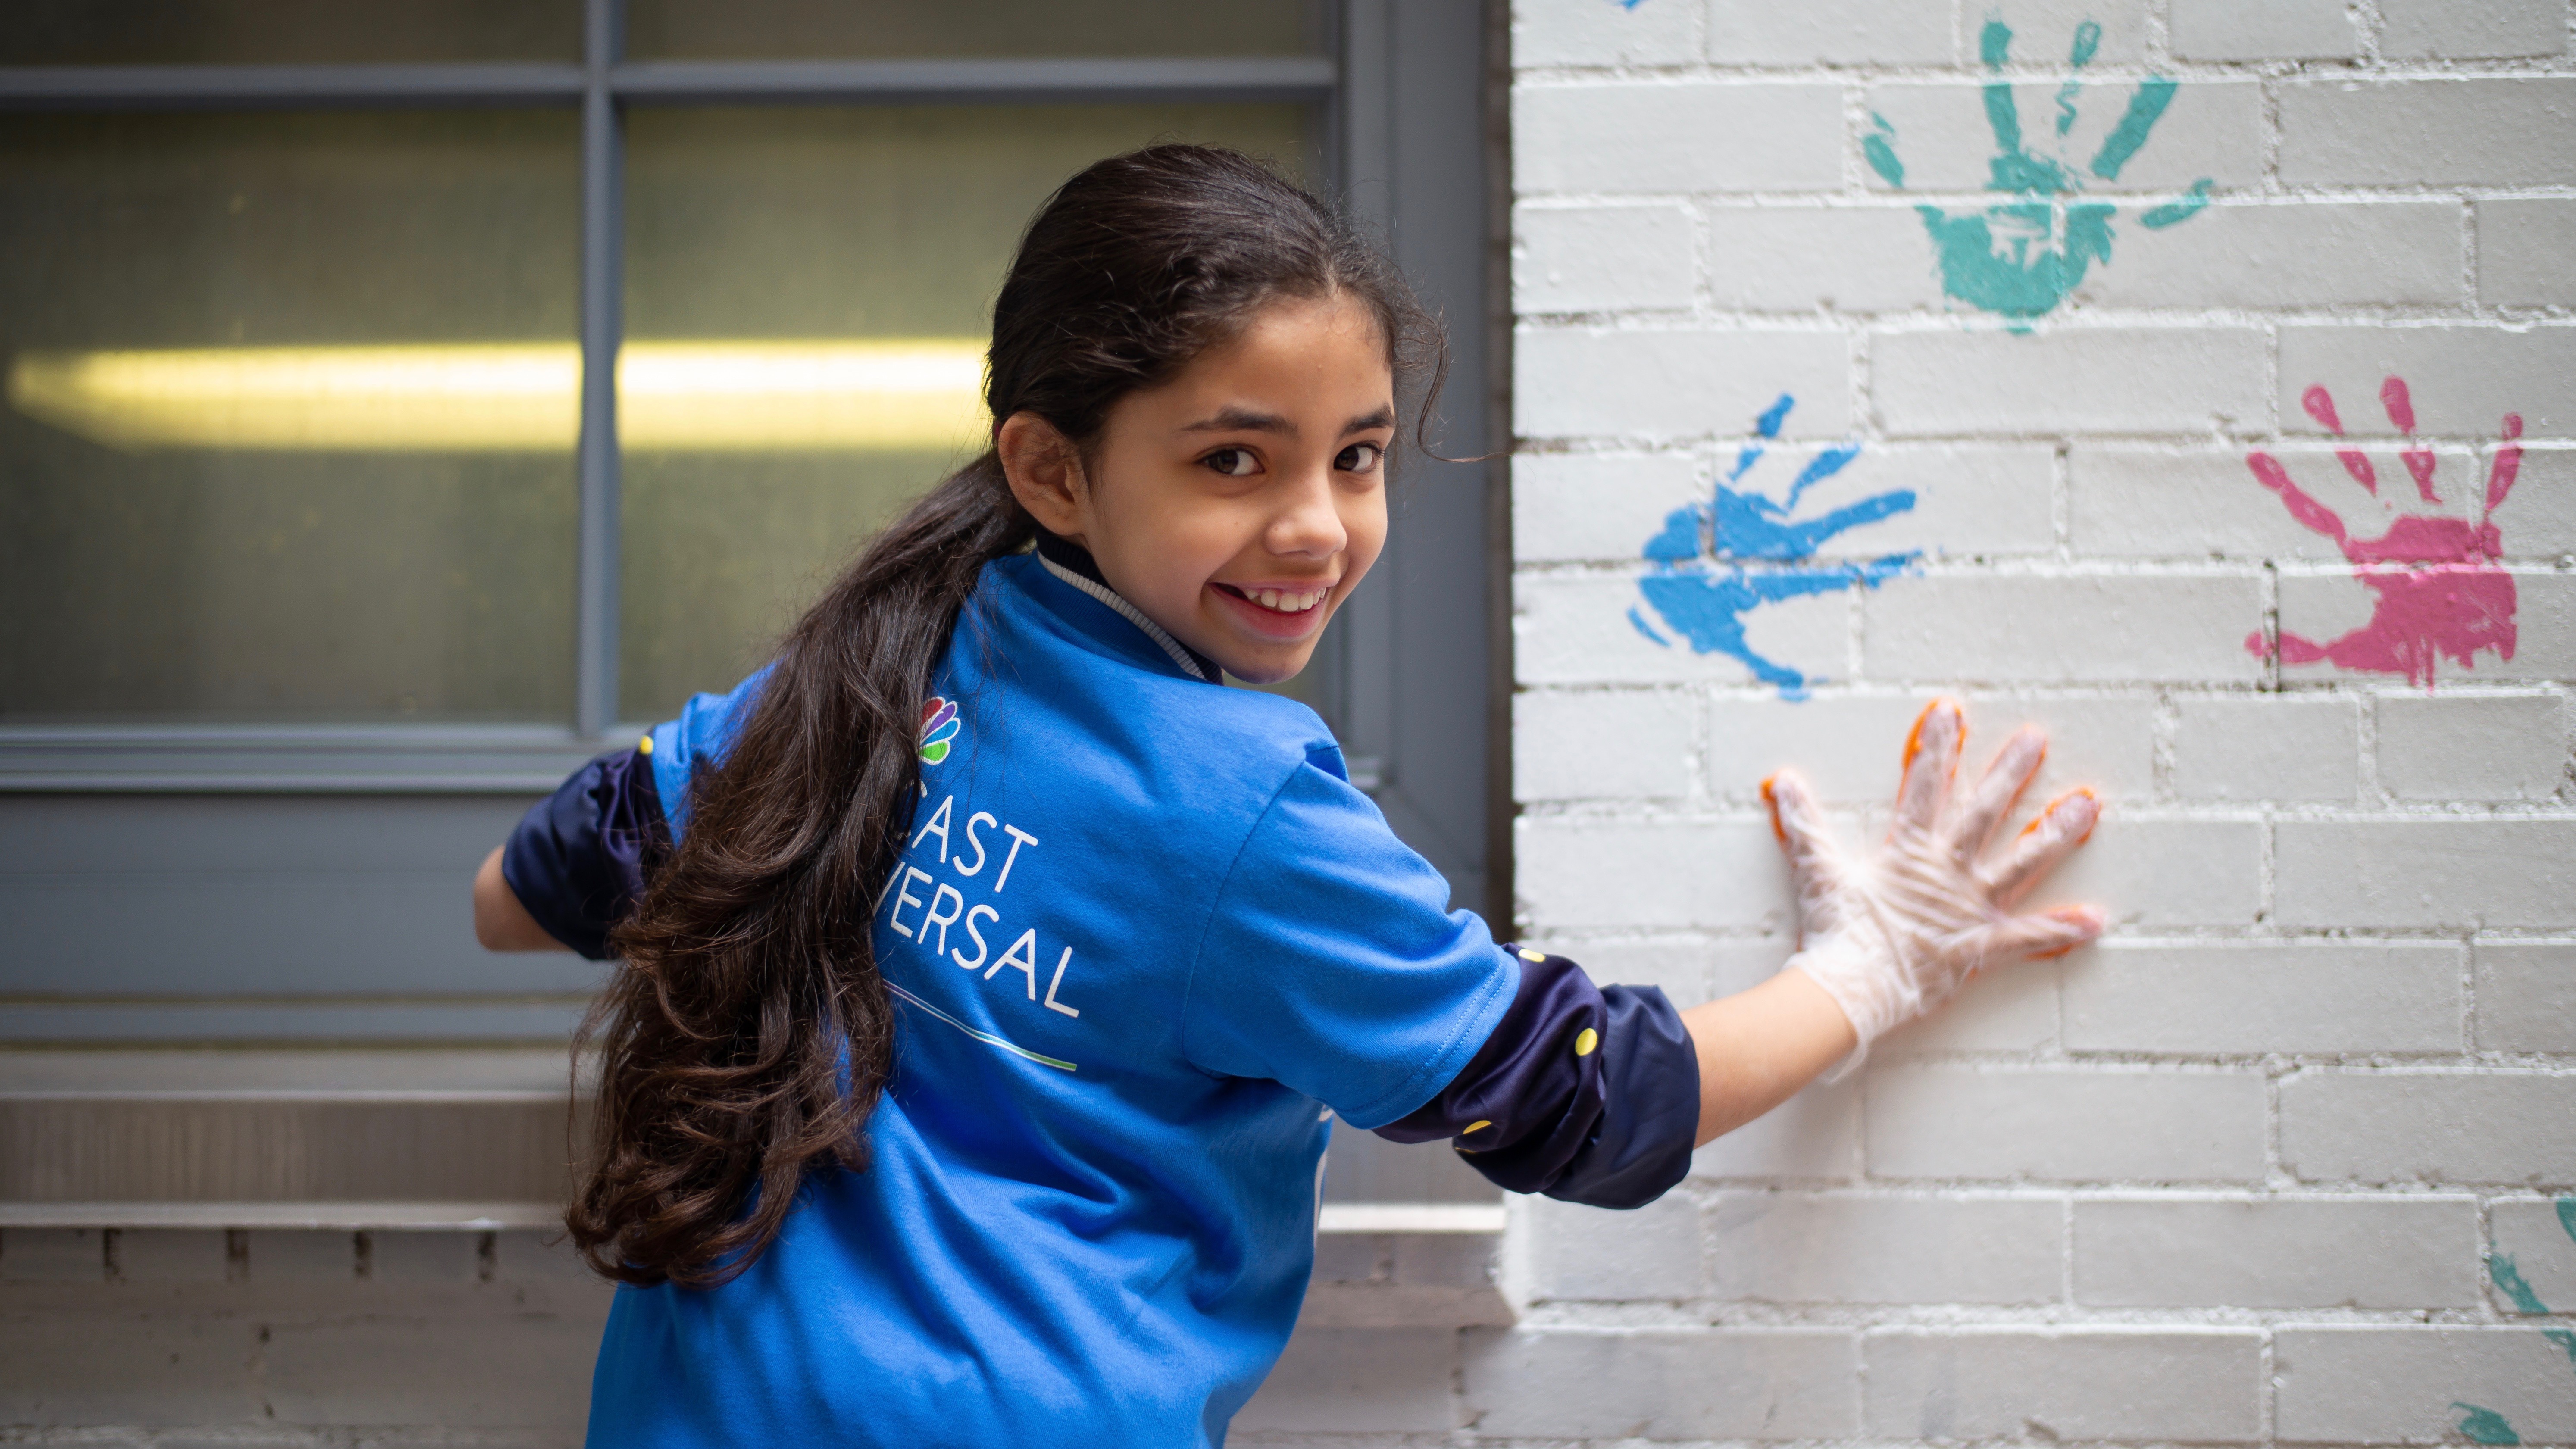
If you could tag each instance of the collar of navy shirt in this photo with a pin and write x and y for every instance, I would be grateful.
(1073, 563)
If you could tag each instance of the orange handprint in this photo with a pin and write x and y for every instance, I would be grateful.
(2440, 591)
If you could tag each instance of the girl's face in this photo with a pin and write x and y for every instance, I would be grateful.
(1239, 503)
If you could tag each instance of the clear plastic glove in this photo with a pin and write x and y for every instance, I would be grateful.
(1893, 936)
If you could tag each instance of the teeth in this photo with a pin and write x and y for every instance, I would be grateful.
(1286, 601)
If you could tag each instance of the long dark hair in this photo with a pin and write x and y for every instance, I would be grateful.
(748, 1035)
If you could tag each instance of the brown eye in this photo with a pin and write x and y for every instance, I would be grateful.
(1233, 462)
(1359, 458)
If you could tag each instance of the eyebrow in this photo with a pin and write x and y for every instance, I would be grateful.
(1233, 419)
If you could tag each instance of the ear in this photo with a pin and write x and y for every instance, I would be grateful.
(1045, 471)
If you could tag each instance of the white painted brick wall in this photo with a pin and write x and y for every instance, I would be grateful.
(2235, 1175)
(2277, 1252)
(2359, 1385)
(1989, 1383)
(2233, 998)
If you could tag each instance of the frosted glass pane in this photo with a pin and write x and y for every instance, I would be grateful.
(891, 29)
(773, 251)
(289, 419)
(284, 32)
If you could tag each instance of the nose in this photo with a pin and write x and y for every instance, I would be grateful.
(1309, 521)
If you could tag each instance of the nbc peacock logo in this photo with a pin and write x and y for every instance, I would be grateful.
(938, 727)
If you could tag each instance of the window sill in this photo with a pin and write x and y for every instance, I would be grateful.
(319, 759)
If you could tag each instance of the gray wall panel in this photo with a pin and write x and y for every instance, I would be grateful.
(199, 834)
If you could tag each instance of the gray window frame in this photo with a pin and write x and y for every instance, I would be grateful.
(476, 759)
(1414, 675)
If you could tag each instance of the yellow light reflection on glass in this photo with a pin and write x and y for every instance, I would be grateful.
(817, 395)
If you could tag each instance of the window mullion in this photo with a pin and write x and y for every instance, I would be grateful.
(603, 289)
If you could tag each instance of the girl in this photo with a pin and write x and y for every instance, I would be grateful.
(991, 970)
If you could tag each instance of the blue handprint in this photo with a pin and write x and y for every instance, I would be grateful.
(1705, 600)
(2022, 258)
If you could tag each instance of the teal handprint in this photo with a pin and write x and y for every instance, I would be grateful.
(2022, 257)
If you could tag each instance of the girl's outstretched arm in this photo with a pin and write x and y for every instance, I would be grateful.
(501, 923)
(1889, 936)
(1758, 1047)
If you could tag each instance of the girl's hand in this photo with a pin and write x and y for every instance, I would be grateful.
(1892, 936)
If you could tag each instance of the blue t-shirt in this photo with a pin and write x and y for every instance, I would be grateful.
(1144, 935)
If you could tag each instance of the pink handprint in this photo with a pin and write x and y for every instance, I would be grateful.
(2440, 591)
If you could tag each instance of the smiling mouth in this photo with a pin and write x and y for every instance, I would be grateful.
(1280, 601)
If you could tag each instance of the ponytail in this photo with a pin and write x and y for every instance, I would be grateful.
(749, 1035)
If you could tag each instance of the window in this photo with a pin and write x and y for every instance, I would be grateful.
(405, 401)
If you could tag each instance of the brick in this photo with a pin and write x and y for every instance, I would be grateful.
(1350, 1257)
(300, 1256)
(2323, 606)
(2281, 747)
(2540, 1238)
(1575, 32)
(2472, 747)
(541, 1256)
(52, 1255)
(1969, 502)
(2044, 30)
(2279, 30)
(1815, 1136)
(2451, 1127)
(1676, 137)
(523, 1369)
(1829, 32)
(2538, 519)
(171, 1255)
(2057, 1385)
(2463, 380)
(1577, 872)
(2546, 622)
(1564, 745)
(2268, 747)
(2290, 254)
(2465, 132)
(2526, 997)
(2277, 1252)
(2523, 256)
(1689, 972)
(1691, 1384)
(90, 1367)
(1776, 258)
(1851, 747)
(424, 1257)
(2196, 504)
(2065, 1126)
(1592, 630)
(1583, 383)
(2009, 1008)
(2247, 999)
(1580, 1253)
(2495, 874)
(1596, 506)
(1805, 1247)
(2471, 29)
(1601, 258)
(2112, 628)
(2409, 1385)
(1359, 1380)
(2081, 380)
(2211, 129)
(2150, 872)
(1443, 1260)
